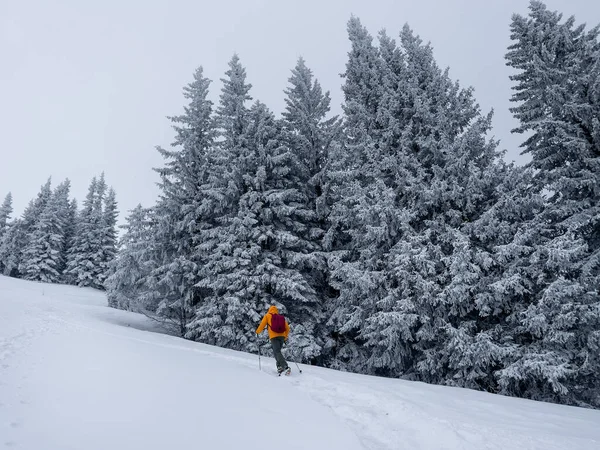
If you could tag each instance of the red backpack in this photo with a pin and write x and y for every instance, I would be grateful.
(277, 323)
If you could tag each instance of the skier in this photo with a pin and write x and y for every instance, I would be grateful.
(279, 330)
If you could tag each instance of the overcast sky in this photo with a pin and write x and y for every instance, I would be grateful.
(85, 85)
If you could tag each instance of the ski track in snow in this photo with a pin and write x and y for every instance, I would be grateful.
(382, 413)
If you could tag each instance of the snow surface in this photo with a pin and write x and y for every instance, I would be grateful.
(75, 374)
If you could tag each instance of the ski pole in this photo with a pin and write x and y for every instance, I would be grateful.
(259, 368)
(299, 369)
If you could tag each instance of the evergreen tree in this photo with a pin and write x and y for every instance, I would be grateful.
(36, 206)
(21, 238)
(414, 172)
(126, 284)
(84, 263)
(184, 207)
(353, 188)
(308, 135)
(232, 113)
(45, 250)
(557, 87)
(70, 228)
(11, 247)
(223, 189)
(5, 212)
(262, 254)
(99, 199)
(108, 237)
(232, 119)
(436, 134)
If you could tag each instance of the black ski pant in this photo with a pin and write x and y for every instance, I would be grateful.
(277, 344)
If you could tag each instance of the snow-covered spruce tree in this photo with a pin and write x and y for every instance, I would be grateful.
(558, 95)
(102, 226)
(374, 178)
(5, 226)
(308, 136)
(108, 229)
(11, 247)
(70, 227)
(479, 204)
(360, 199)
(411, 181)
(182, 210)
(224, 183)
(223, 189)
(489, 273)
(23, 233)
(84, 263)
(232, 112)
(36, 206)
(436, 268)
(17, 234)
(266, 250)
(44, 253)
(76, 271)
(5, 212)
(126, 284)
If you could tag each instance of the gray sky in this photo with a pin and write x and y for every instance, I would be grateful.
(85, 85)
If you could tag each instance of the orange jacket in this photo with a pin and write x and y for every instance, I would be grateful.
(266, 322)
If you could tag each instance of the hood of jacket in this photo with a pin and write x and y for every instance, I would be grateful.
(273, 310)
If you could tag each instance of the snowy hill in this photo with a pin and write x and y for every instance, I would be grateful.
(75, 374)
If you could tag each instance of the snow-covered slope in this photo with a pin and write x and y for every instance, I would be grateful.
(75, 374)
